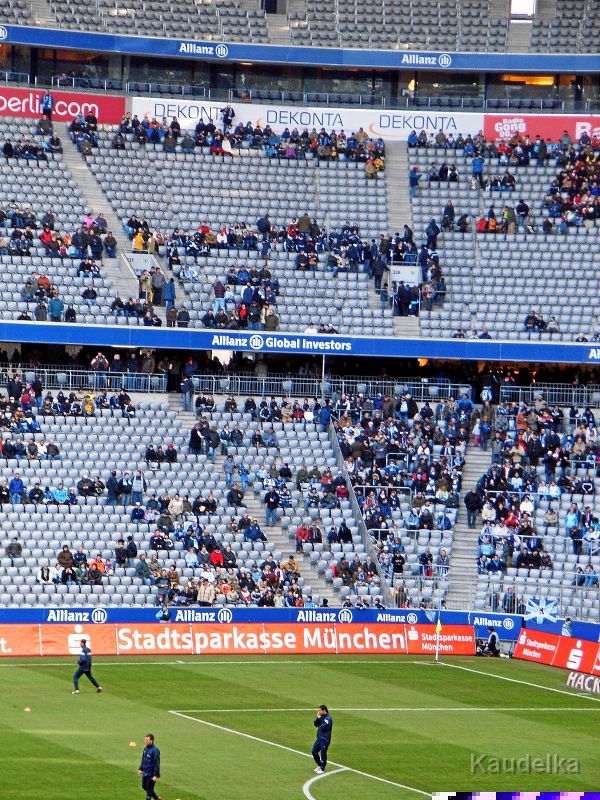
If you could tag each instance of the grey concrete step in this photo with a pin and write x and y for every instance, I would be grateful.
(398, 198)
(42, 15)
(406, 327)
(279, 29)
(124, 280)
(463, 573)
(519, 37)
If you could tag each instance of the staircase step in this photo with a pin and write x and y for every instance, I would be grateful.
(124, 280)
(278, 539)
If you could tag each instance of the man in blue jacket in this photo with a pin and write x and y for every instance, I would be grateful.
(84, 667)
(150, 767)
(324, 724)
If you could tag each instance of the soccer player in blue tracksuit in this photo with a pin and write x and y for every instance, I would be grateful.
(324, 724)
(84, 667)
(150, 767)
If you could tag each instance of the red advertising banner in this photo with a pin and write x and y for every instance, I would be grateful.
(537, 646)
(455, 640)
(256, 639)
(559, 651)
(578, 655)
(26, 103)
(548, 126)
(232, 639)
(65, 640)
(19, 640)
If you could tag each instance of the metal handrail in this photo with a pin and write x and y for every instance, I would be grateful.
(82, 82)
(465, 594)
(293, 385)
(156, 87)
(73, 379)
(278, 384)
(14, 77)
(365, 489)
(326, 98)
(357, 514)
(562, 394)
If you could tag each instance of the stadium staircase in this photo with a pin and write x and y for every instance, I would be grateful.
(279, 541)
(499, 9)
(519, 36)
(399, 212)
(123, 279)
(42, 14)
(279, 30)
(546, 9)
(463, 570)
(398, 199)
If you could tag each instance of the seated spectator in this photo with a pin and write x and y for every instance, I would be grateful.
(253, 533)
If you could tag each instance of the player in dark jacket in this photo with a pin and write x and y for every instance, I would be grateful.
(150, 767)
(324, 724)
(84, 667)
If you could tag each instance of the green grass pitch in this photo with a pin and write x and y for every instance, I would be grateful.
(243, 729)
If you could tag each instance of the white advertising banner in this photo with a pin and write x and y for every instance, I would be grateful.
(390, 124)
(409, 273)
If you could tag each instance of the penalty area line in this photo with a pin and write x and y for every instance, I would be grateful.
(419, 709)
(297, 752)
(516, 680)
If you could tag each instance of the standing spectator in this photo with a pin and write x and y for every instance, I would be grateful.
(229, 469)
(413, 181)
(168, 294)
(477, 170)
(112, 489)
(522, 210)
(432, 231)
(219, 296)
(509, 601)
(55, 308)
(100, 366)
(16, 488)
(325, 416)
(138, 487)
(158, 283)
(271, 501)
(47, 104)
(187, 393)
(473, 505)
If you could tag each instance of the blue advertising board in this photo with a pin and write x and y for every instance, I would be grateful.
(579, 630)
(319, 56)
(298, 343)
(508, 626)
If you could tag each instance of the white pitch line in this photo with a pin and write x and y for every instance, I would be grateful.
(399, 708)
(297, 752)
(515, 680)
(206, 662)
(309, 783)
